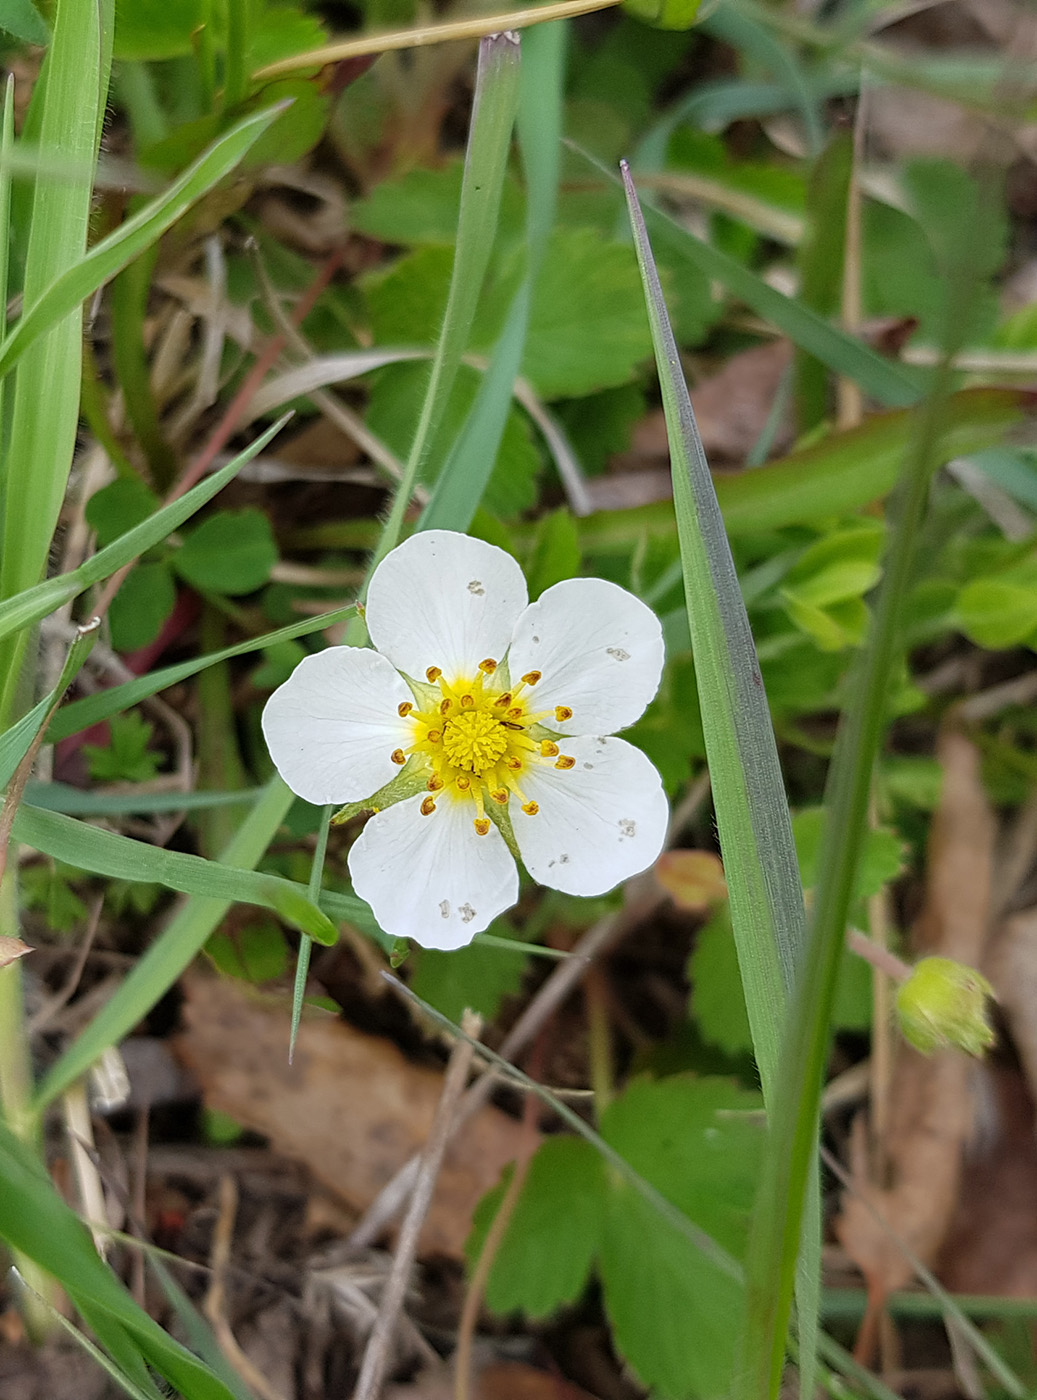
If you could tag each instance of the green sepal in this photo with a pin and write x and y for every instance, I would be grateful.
(501, 818)
(408, 783)
(399, 953)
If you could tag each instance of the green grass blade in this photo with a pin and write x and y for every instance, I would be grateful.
(183, 937)
(749, 795)
(305, 944)
(37, 1223)
(889, 383)
(751, 808)
(66, 114)
(121, 858)
(35, 603)
(493, 116)
(74, 802)
(131, 238)
(467, 470)
(92, 709)
(794, 1117)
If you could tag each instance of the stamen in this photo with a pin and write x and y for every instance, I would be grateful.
(434, 736)
(467, 701)
(563, 712)
(548, 749)
(503, 701)
(464, 783)
(514, 763)
(531, 677)
(566, 762)
(515, 712)
(433, 674)
(398, 756)
(531, 808)
(482, 825)
(427, 807)
(500, 795)
(434, 783)
(404, 708)
(445, 706)
(488, 666)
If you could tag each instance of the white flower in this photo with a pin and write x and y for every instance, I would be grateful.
(489, 713)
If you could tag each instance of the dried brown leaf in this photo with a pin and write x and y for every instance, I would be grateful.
(351, 1107)
(11, 949)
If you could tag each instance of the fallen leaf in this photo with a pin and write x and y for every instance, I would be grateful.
(11, 949)
(932, 1105)
(351, 1107)
(694, 880)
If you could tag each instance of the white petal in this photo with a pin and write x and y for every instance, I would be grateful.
(444, 599)
(599, 650)
(599, 822)
(333, 725)
(433, 879)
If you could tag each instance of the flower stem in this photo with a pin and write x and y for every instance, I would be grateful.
(879, 957)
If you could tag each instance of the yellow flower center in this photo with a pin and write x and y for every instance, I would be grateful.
(476, 742)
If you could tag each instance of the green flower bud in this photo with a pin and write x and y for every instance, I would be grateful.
(943, 1003)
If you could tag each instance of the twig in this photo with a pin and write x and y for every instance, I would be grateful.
(216, 1299)
(376, 1354)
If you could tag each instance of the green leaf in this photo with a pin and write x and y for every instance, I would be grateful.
(255, 951)
(882, 856)
(664, 14)
(674, 1315)
(421, 208)
(717, 999)
(477, 977)
(118, 507)
(155, 29)
(554, 1234)
(107, 853)
(22, 20)
(842, 564)
(35, 603)
(998, 613)
(146, 597)
(127, 757)
(231, 552)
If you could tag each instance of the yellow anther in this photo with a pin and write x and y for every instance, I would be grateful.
(434, 736)
(433, 674)
(482, 825)
(398, 756)
(531, 677)
(488, 666)
(514, 763)
(548, 749)
(434, 783)
(427, 807)
(531, 808)
(445, 706)
(503, 701)
(566, 762)
(563, 712)
(467, 701)
(464, 783)
(404, 708)
(515, 712)
(500, 795)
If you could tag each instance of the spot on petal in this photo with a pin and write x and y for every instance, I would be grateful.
(467, 913)
(627, 827)
(617, 653)
(444, 908)
(588, 766)
(537, 640)
(475, 586)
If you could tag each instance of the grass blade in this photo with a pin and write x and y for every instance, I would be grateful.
(35, 603)
(493, 115)
(138, 233)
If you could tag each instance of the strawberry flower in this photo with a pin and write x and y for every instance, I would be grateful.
(477, 730)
